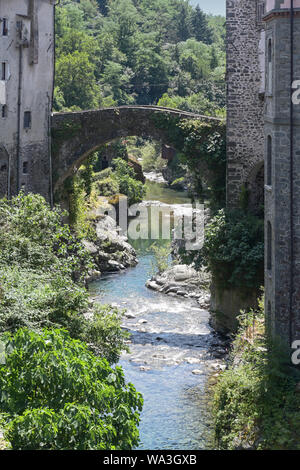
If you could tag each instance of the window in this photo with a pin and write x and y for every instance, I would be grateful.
(27, 120)
(260, 10)
(269, 161)
(25, 168)
(3, 71)
(4, 27)
(269, 246)
(270, 68)
(4, 111)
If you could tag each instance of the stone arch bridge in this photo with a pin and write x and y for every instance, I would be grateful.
(75, 135)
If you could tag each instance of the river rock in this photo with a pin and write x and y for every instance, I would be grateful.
(110, 251)
(145, 368)
(192, 360)
(181, 280)
(93, 275)
(197, 372)
(129, 315)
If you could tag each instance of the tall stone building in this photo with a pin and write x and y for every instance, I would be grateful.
(282, 168)
(245, 100)
(26, 88)
(263, 72)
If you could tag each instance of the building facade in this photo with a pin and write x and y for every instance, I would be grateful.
(282, 169)
(245, 100)
(26, 88)
(263, 132)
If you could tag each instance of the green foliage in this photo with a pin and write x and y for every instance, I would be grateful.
(76, 81)
(106, 333)
(151, 157)
(79, 207)
(40, 298)
(121, 179)
(128, 185)
(256, 404)
(127, 51)
(39, 261)
(57, 395)
(107, 186)
(162, 252)
(202, 147)
(33, 236)
(234, 249)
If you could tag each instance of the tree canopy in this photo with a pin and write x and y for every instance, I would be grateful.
(117, 52)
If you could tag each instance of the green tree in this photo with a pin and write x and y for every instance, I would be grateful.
(75, 78)
(57, 395)
(201, 29)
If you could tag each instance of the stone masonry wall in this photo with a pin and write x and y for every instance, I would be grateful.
(282, 210)
(27, 50)
(245, 88)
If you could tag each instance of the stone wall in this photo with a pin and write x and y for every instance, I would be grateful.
(282, 192)
(27, 49)
(245, 89)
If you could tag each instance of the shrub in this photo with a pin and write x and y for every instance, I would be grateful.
(106, 187)
(122, 180)
(162, 253)
(41, 299)
(128, 185)
(58, 395)
(234, 249)
(33, 236)
(39, 261)
(105, 332)
(256, 404)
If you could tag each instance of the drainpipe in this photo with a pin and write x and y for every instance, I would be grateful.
(54, 35)
(50, 107)
(50, 152)
(291, 175)
(19, 115)
(8, 177)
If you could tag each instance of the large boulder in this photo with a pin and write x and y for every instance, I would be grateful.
(184, 281)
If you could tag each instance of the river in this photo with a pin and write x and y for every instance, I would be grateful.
(169, 360)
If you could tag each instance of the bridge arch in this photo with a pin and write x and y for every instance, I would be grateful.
(76, 135)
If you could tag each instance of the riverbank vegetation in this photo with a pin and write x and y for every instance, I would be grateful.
(257, 400)
(233, 250)
(84, 190)
(50, 327)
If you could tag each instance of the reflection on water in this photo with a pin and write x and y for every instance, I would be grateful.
(170, 338)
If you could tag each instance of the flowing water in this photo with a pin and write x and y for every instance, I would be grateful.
(169, 362)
